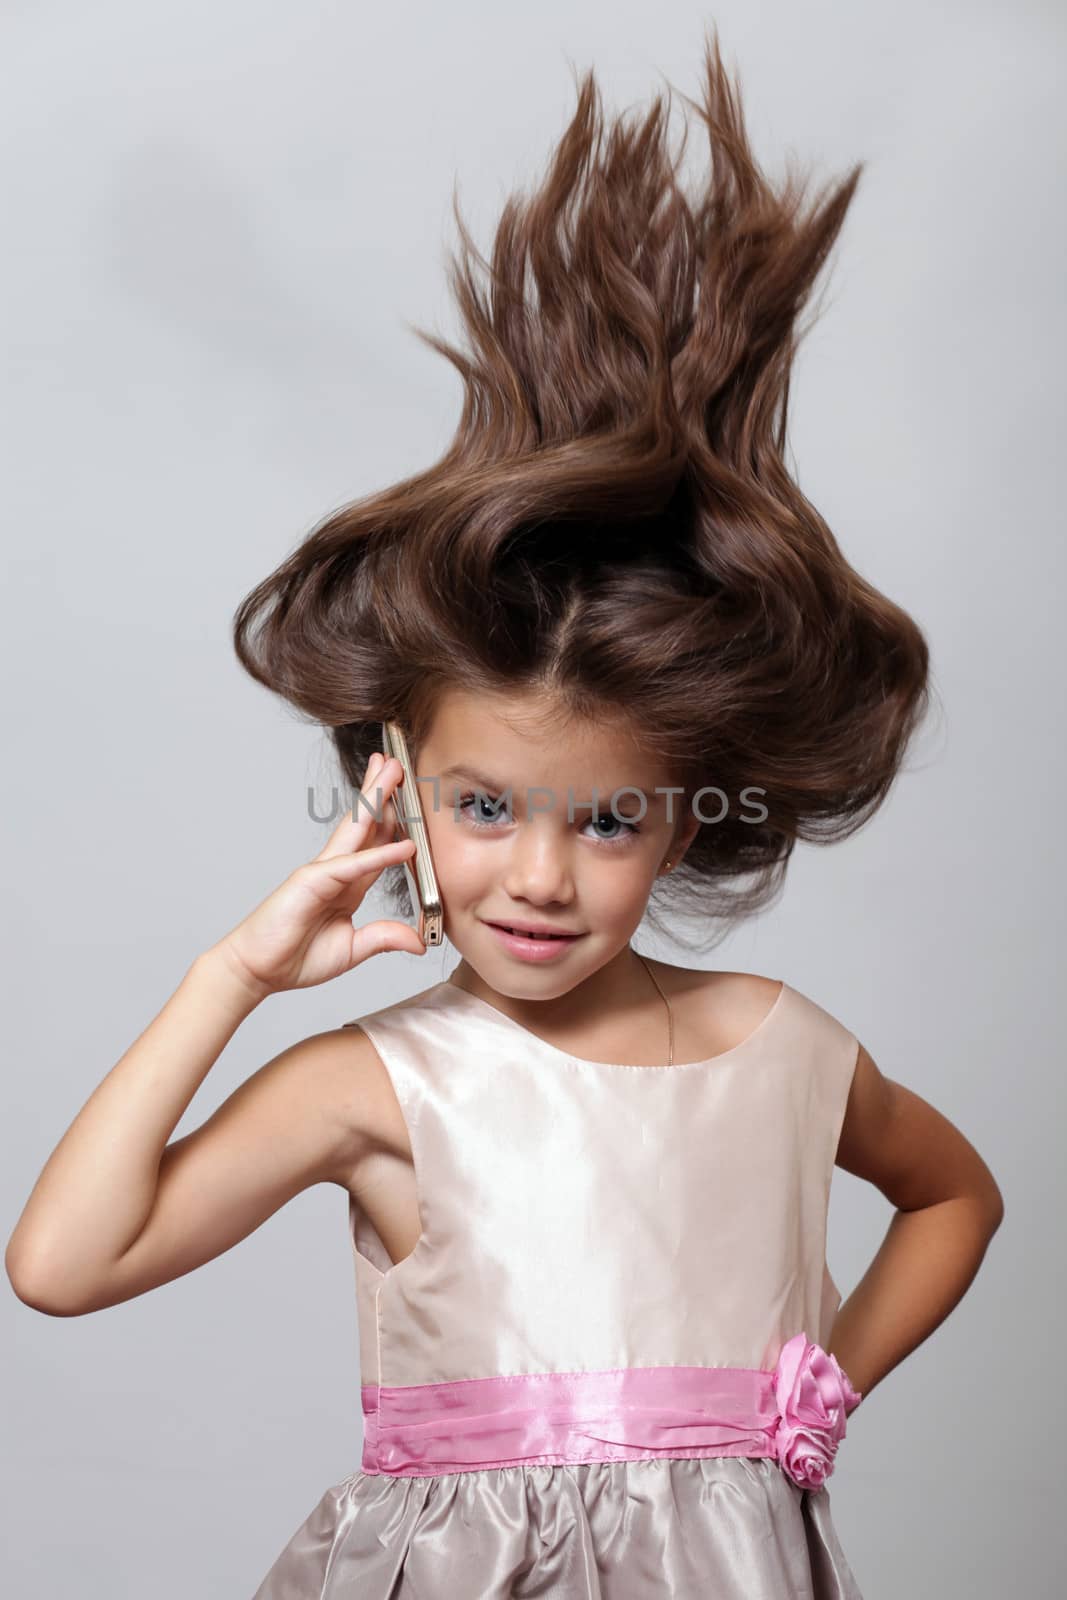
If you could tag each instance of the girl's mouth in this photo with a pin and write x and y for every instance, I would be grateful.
(533, 947)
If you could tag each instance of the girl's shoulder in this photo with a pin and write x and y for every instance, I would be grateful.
(731, 990)
(726, 1009)
(748, 994)
(717, 1010)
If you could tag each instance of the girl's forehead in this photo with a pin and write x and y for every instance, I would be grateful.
(544, 785)
(482, 744)
(531, 722)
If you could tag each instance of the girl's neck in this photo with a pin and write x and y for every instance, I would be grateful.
(625, 984)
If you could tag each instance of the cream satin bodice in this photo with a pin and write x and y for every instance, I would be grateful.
(580, 1216)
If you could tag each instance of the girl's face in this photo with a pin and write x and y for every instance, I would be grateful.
(514, 836)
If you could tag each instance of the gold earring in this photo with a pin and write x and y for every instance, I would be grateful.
(666, 866)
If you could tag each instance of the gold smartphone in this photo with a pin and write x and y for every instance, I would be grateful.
(407, 808)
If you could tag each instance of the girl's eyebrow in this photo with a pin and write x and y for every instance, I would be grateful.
(482, 781)
(469, 773)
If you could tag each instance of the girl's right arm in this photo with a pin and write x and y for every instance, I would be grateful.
(117, 1210)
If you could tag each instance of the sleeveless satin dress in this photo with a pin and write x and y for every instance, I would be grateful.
(600, 1375)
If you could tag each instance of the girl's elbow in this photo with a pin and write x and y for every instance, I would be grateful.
(995, 1204)
(36, 1291)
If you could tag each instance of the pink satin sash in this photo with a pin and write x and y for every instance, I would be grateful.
(795, 1413)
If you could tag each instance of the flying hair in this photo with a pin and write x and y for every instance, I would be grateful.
(613, 526)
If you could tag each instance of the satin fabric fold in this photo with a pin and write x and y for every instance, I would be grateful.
(556, 1417)
(718, 1528)
(795, 1413)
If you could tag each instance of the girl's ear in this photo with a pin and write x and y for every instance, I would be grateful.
(681, 842)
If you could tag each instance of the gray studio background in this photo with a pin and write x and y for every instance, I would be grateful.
(218, 219)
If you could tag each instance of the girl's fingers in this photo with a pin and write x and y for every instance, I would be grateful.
(362, 821)
(339, 871)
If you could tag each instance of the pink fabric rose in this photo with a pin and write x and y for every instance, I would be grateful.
(814, 1397)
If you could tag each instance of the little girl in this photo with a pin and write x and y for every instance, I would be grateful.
(601, 1350)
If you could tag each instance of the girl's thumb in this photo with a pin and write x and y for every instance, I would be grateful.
(378, 938)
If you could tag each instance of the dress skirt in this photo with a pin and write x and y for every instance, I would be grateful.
(703, 1528)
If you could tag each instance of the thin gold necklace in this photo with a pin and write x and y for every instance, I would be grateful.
(666, 1002)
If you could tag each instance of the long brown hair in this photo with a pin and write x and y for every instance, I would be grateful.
(614, 522)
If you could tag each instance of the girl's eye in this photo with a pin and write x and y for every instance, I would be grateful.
(471, 806)
(610, 820)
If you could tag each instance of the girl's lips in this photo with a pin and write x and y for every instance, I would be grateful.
(533, 949)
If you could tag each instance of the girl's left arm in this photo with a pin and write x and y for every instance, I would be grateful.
(948, 1207)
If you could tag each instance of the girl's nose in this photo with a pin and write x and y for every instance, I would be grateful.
(538, 868)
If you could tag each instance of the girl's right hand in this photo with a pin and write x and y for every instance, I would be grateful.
(302, 934)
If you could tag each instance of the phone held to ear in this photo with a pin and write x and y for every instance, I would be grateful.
(407, 808)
